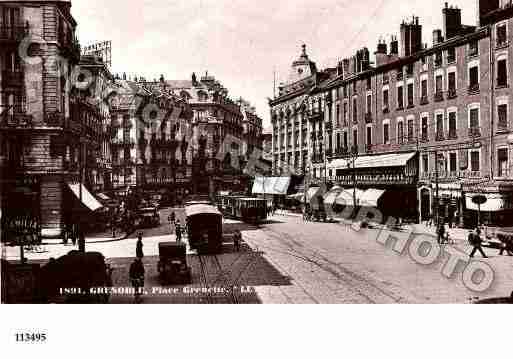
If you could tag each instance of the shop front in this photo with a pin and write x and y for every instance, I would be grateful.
(494, 207)
(387, 182)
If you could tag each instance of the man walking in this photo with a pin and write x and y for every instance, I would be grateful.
(137, 277)
(178, 231)
(139, 247)
(237, 237)
(475, 240)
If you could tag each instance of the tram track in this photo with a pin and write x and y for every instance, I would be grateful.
(355, 282)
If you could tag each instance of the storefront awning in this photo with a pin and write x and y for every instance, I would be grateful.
(345, 198)
(103, 197)
(495, 202)
(370, 197)
(271, 185)
(387, 160)
(332, 195)
(87, 198)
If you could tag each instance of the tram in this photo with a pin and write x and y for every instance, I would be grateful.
(247, 209)
(204, 228)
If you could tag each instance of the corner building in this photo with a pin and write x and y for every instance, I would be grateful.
(424, 125)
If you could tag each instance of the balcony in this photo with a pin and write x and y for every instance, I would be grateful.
(14, 33)
(368, 148)
(473, 89)
(410, 104)
(424, 100)
(341, 152)
(439, 136)
(474, 132)
(355, 120)
(451, 94)
(502, 43)
(439, 96)
(438, 63)
(452, 135)
(329, 153)
(13, 79)
(386, 109)
(318, 158)
(123, 142)
(15, 121)
(424, 138)
(55, 119)
(368, 117)
(399, 76)
(329, 126)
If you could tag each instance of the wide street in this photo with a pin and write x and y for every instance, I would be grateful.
(289, 261)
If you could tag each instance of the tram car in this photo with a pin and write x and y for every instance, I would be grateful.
(204, 228)
(247, 209)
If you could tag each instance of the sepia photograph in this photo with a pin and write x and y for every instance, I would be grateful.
(221, 153)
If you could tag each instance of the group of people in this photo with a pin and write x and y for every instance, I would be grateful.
(178, 227)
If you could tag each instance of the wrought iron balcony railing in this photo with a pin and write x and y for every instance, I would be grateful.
(424, 100)
(452, 135)
(451, 94)
(474, 132)
(440, 136)
(368, 117)
(439, 96)
(473, 89)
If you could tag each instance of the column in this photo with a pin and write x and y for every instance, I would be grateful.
(293, 162)
(279, 144)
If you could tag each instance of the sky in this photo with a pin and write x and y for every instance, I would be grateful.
(243, 43)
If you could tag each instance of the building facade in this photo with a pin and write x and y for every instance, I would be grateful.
(35, 118)
(423, 126)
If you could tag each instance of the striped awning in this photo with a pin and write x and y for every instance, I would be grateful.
(370, 197)
(346, 197)
(332, 195)
(81, 192)
(387, 160)
(495, 202)
(271, 185)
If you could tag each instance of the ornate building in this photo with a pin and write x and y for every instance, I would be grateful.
(425, 129)
(36, 126)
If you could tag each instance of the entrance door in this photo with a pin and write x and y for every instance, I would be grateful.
(425, 204)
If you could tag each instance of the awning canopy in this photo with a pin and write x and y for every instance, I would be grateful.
(87, 198)
(345, 198)
(332, 195)
(103, 196)
(495, 202)
(271, 185)
(370, 197)
(387, 160)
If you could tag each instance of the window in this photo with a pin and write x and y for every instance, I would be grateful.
(411, 130)
(346, 145)
(502, 73)
(354, 87)
(369, 136)
(338, 115)
(345, 91)
(452, 125)
(451, 55)
(425, 163)
(369, 83)
(410, 95)
(502, 35)
(400, 104)
(475, 161)
(473, 48)
(439, 84)
(502, 162)
(409, 70)
(474, 118)
(386, 133)
(452, 84)
(400, 132)
(424, 128)
(355, 139)
(424, 90)
(438, 59)
(386, 78)
(355, 111)
(345, 114)
(338, 140)
(502, 114)
(453, 162)
(369, 103)
(474, 77)
(385, 99)
(439, 127)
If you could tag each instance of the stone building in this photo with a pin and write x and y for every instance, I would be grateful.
(420, 127)
(35, 121)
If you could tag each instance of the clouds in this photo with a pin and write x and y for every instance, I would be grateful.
(241, 42)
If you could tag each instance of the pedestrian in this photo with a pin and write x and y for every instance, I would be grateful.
(237, 237)
(137, 277)
(474, 238)
(507, 244)
(178, 231)
(139, 246)
(113, 227)
(441, 233)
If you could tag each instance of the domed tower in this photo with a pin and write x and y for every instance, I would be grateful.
(302, 68)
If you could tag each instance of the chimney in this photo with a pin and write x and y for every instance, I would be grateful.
(437, 37)
(346, 66)
(451, 21)
(382, 48)
(394, 46)
(411, 37)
